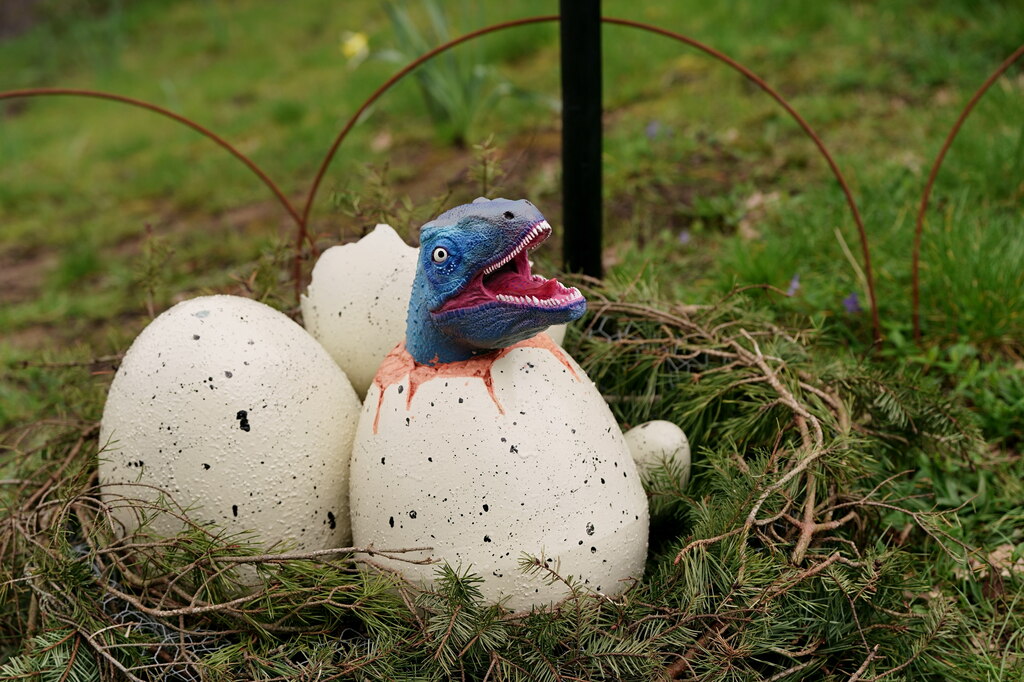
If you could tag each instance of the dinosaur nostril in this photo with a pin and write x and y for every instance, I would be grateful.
(508, 215)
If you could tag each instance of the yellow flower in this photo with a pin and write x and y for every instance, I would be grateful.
(355, 46)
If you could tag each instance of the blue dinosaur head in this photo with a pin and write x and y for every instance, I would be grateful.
(474, 291)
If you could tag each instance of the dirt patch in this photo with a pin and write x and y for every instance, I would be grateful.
(431, 177)
(25, 273)
(22, 274)
(16, 17)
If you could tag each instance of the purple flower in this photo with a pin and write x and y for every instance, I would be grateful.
(794, 285)
(684, 237)
(652, 130)
(852, 303)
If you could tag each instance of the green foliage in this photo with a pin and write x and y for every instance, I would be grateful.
(375, 201)
(456, 86)
(488, 171)
(920, 583)
(54, 656)
(79, 261)
(991, 385)
(151, 274)
(805, 546)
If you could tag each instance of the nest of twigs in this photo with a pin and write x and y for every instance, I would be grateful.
(801, 548)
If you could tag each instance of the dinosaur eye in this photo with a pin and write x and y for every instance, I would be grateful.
(508, 215)
(440, 254)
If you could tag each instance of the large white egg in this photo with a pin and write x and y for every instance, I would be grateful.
(493, 458)
(357, 301)
(233, 409)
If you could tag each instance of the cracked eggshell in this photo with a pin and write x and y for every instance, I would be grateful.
(231, 407)
(557, 333)
(357, 301)
(536, 465)
(657, 443)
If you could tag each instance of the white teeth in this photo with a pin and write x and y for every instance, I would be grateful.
(572, 294)
(537, 229)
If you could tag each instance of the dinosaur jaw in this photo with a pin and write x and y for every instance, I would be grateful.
(507, 282)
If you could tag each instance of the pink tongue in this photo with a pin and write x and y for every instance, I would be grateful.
(516, 285)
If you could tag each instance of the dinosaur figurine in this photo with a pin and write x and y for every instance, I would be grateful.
(474, 291)
(483, 440)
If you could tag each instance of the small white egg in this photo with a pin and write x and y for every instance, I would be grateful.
(232, 409)
(660, 443)
(493, 458)
(357, 301)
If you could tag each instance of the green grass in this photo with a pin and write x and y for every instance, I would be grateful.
(709, 186)
(277, 84)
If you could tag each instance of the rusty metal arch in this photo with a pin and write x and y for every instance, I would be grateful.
(915, 258)
(301, 219)
(302, 233)
(178, 118)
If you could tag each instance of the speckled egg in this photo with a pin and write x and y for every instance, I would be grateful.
(232, 408)
(357, 301)
(495, 457)
(660, 443)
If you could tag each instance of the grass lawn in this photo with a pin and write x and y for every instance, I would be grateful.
(109, 214)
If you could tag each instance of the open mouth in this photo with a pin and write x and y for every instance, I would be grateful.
(508, 281)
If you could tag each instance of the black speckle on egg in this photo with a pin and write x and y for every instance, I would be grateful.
(206, 466)
(486, 508)
(391, 521)
(412, 514)
(241, 414)
(382, 460)
(401, 388)
(590, 529)
(487, 538)
(195, 337)
(513, 450)
(460, 400)
(228, 374)
(593, 550)
(234, 510)
(331, 520)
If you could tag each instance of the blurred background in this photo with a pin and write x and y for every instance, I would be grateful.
(108, 214)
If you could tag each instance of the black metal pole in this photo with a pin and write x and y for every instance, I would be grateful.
(580, 28)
